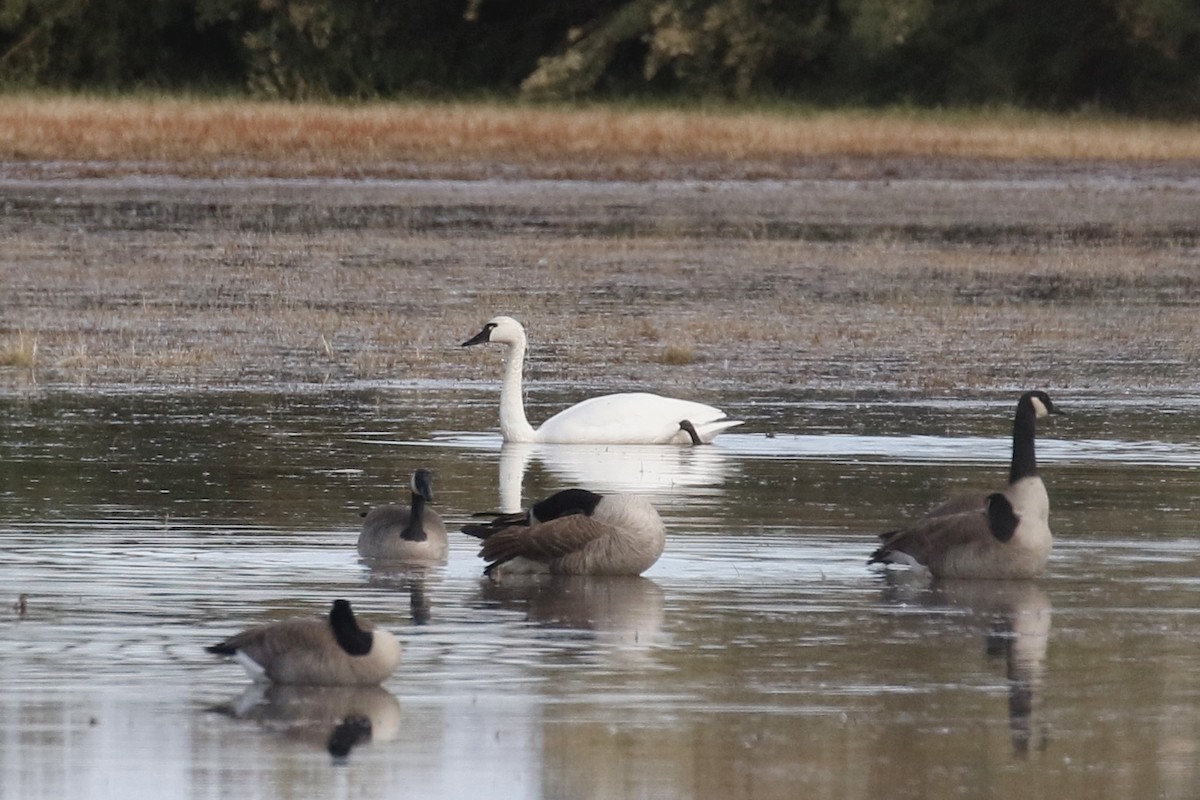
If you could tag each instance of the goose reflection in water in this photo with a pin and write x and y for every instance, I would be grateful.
(415, 580)
(625, 612)
(1014, 618)
(333, 718)
(1017, 614)
(665, 475)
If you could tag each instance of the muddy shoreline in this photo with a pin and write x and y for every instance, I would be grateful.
(1077, 279)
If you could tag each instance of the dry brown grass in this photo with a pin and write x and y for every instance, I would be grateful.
(239, 137)
(19, 351)
(676, 355)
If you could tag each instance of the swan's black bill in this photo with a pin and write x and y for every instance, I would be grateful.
(483, 337)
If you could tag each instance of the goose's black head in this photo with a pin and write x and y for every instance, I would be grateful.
(351, 638)
(422, 484)
(1001, 518)
(1040, 403)
(566, 503)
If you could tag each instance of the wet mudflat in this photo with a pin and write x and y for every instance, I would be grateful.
(758, 658)
(921, 285)
(205, 382)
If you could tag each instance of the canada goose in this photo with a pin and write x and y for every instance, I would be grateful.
(629, 418)
(338, 651)
(397, 533)
(574, 532)
(1000, 535)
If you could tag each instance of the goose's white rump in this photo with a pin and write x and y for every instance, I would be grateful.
(629, 418)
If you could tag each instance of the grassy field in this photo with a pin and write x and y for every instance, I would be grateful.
(228, 138)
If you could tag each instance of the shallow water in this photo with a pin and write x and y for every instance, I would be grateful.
(758, 658)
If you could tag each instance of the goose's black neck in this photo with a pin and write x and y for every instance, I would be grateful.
(1024, 459)
(566, 503)
(414, 531)
(351, 638)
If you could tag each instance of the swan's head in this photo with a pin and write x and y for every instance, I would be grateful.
(1040, 401)
(502, 330)
(422, 484)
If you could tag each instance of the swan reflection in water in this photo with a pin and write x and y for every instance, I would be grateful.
(625, 613)
(665, 475)
(1014, 618)
(334, 718)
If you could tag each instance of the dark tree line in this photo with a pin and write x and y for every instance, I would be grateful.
(1138, 56)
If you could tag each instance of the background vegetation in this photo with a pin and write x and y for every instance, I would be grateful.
(1129, 56)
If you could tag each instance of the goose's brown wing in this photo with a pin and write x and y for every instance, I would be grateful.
(544, 541)
(265, 642)
(930, 539)
(959, 504)
(499, 522)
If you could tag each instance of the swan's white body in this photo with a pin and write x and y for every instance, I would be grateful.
(629, 418)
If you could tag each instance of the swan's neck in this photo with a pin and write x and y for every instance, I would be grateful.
(415, 530)
(514, 427)
(1024, 460)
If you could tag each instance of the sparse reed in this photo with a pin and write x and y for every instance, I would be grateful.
(676, 355)
(19, 351)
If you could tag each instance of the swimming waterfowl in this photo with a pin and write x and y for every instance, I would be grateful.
(628, 418)
(574, 532)
(336, 651)
(1003, 535)
(396, 533)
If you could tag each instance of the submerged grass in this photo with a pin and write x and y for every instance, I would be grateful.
(242, 137)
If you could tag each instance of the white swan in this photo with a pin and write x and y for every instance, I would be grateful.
(629, 418)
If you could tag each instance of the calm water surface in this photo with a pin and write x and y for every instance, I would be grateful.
(759, 658)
